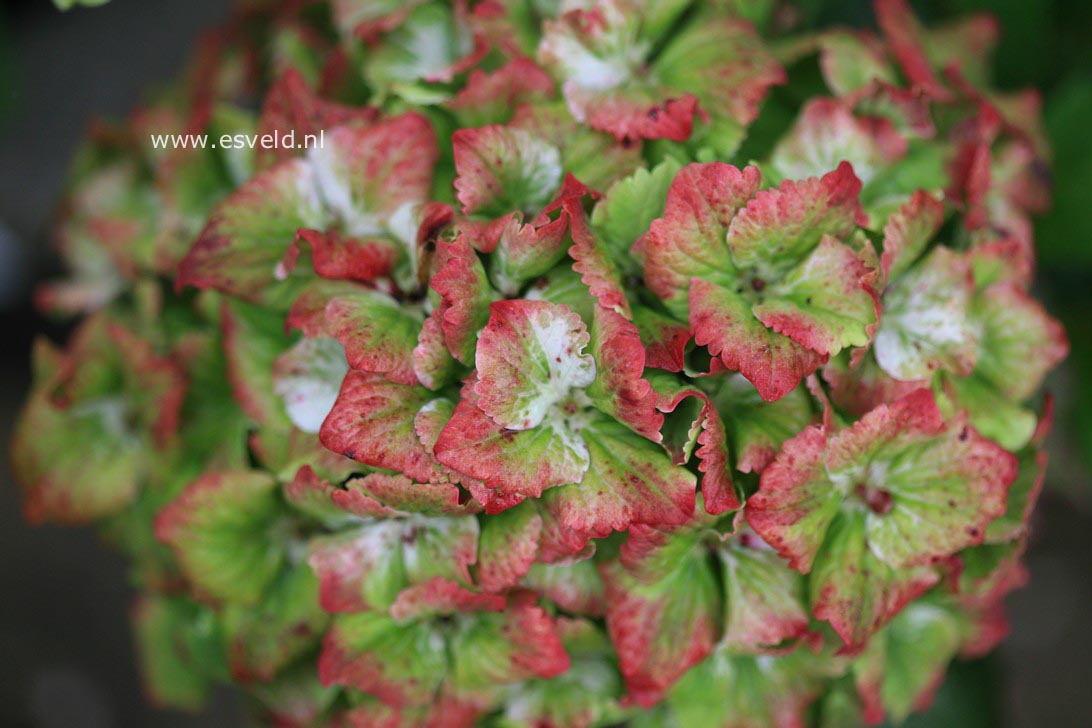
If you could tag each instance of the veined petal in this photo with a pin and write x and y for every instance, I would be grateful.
(240, 249)
(689, 240)
(378, 333)
(505, 169)
(780, 227)
(523, 462)
(908, 231)
(854, 590)
(723, 321)
(905, 663)
(364, 174)
(827, 133)
(465, 295)
(930, 487)
(763, 600)
(662, 621)
(508, 547)
(221, 530)
(1020, 342)
(620, 389)
(926, 323)
(401, 664)
(372, 422)
(827, 303)
(530, 357)
(291, 106)
(492, 97)
(308, 377)
(367, 568)
(795, 504)
(628, 480)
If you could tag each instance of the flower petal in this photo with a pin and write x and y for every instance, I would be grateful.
(779, 227)
(515, 462)
(502, 169)
(308, 377)
(465, 295)
(378, 333)
(372, 422)
(827, 303)
(689, 240)
(722, 320)
(220, 531)
(491, 97)
(763, 599)
(367, 568)
(628, 480)
(509, 545)
(854, 590)
(530, 357)
(926, 323)
(664, 621)
(619, 388)
(240, 249)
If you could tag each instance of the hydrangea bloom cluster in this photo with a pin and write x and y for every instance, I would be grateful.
(609, 361)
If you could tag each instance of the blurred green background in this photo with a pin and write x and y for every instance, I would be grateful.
(63, 628)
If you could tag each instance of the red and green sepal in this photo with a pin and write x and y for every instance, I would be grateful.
(287, 624)
(371, 566)
(541, 414)
(761, 276)
(713, 68)
(585, 696)
(869, 509)
(469, 648)
(102, 417)
(230, 535)
(354, 202)
(663, 607)
(179, 649)
(730, 690)
(906, 661)
(1018, 343)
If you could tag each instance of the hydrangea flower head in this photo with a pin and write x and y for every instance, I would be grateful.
(608, 361)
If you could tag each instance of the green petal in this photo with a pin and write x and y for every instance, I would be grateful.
(763, 599)
(662, 614)
(629, 480)
(223, 529)
(854, 590)
(401, 664)
(171, 675)
(378, 333)
(248, 234)
(740, 691)
(368, 567)
(825, 303)
(530, 357)
(926, 319)
(287, 624)
(757, 428)
(630, 206)
(905, 662)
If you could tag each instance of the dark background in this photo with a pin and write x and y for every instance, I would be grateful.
(66, 655)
